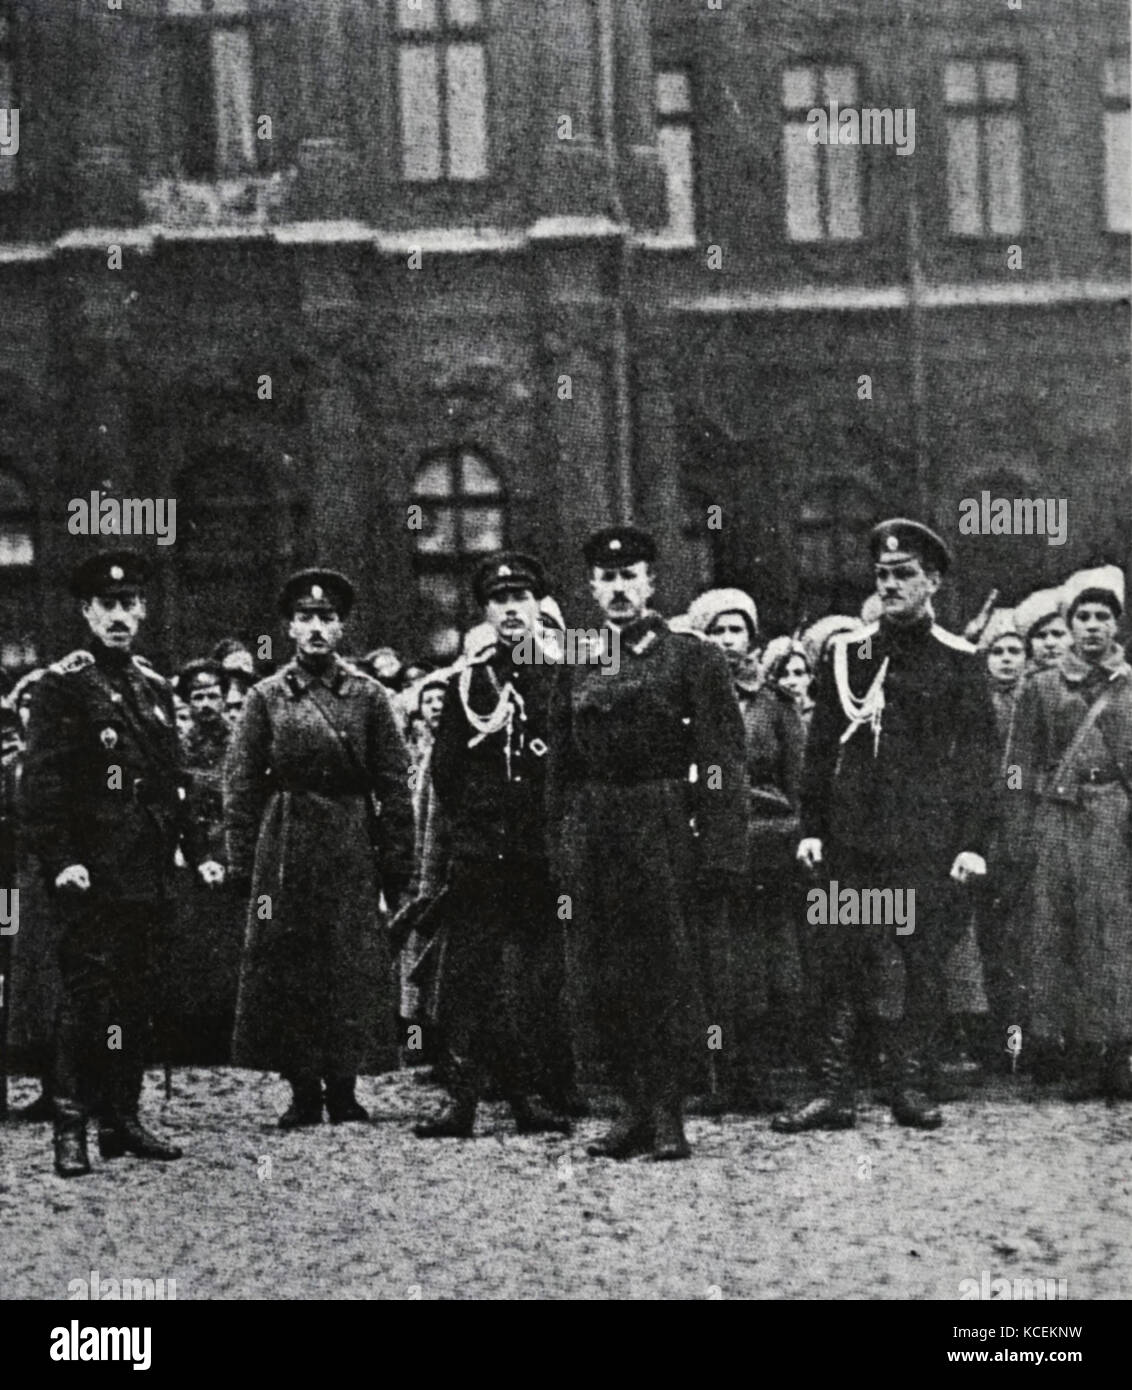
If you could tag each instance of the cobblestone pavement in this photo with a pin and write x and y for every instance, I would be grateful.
(1013, 1187)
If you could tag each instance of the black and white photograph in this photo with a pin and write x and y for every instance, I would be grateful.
(566, 705)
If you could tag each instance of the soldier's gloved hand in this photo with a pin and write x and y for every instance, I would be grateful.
(809, 853)
(73, 879)
(968, 865)
(211, 873)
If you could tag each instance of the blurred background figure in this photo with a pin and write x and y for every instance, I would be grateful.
(786, 665)
(234, 655)
(1040, 620)
(387, 667)
(236, 686)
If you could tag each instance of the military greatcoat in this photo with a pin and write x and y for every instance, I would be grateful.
(639, 844)
(307, 796)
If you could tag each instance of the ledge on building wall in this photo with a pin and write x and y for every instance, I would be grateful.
(448, 240)
(576, 229)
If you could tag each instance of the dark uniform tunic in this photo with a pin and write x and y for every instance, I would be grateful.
(102, 788)
(622, 812)
(893, 811)
(503, 966)
(316, 988)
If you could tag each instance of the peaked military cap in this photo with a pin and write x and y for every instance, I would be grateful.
(900, 539)
(509, 569)
(196, 675)
(316, 591)
(110, 572)
(618, 545)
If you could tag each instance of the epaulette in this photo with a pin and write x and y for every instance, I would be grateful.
(353, 670)
(949, 639)
(147, 670)
(853, 638)
(72, 662)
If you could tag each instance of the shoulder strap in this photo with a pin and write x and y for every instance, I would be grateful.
(1094, 712)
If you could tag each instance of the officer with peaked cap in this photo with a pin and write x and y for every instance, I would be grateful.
(104, 810)
(624, 737)
(498, 997)
(319, 825)
(1073, 745)
(895, 796)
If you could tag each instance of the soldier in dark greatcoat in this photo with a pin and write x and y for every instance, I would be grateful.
(319, 825)
(896, 797)
(503, 961)
(644, 849)
(102, 795)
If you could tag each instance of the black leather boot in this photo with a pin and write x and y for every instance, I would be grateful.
(71, 1159)
(533, 1117)
(834, 1107)
(911, 1105)
(306, 1103)
(633, 1133)
(669, 1141)
(458, 1118)
(129, 1136)
(341, 1104)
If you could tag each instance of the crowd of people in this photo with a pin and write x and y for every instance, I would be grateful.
(597, 866)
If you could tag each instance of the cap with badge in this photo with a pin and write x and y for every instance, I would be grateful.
(508, 569)
(317, 591)
(110, 572)
(1103, 584)
(615, 546)
(900, 539)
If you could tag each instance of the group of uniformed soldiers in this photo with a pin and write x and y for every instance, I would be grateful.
(604, 830)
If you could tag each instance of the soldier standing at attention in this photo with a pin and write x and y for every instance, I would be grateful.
(503, 964)
(102, 798)
(896, 795)
(644, 849)
(319, 824)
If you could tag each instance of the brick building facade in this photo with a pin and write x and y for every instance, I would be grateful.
(533, 267)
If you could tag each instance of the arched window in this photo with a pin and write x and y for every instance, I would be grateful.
(835, 572)
(19, 586)
(463, 515)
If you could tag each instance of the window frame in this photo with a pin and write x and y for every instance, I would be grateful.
(792, 115)
(459, 563)
(442, 36)
(689, 121)
(980, 109)
(174, 30)
(1111, 104)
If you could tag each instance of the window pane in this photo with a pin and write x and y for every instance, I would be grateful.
(803, 207)
(841, 86)
(434, 479)
(464, 13)
(438, 534)
(1117, 163)
(673, 94)
(420, 114)
(416, 14)
(960, 84)
(799, 88)
(467, 111)
(675, 145)
(1004, 173)
(477, 479)
(1116, 79)
(482, 530)
(16, 548)
(1000, 81)
(962, 175)
(843, 174)
(232, 83)
(440, 591)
